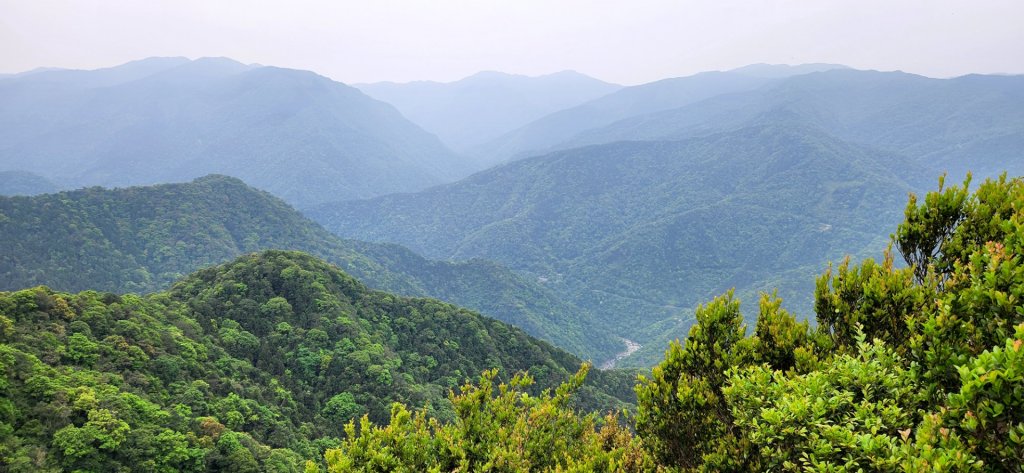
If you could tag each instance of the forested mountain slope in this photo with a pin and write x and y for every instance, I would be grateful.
(303, 137)
(907, 369)
(254, 365)
(141, 239)
(640, 232)
(479, 108)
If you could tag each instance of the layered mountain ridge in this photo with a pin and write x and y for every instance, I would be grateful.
(301, 136)
(640, 232)
(141, 239)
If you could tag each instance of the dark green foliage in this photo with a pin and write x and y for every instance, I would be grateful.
(251, 366)
(873, 299)
(141, 239)
(779, 340)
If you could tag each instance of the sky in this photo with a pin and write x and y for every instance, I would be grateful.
(625, 41)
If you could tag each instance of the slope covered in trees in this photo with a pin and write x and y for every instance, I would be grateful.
(141, 239)
(303, 137)
(641, 232)
(919, 368)
(255, 365)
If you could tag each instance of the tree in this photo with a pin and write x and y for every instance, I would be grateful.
(680, 410)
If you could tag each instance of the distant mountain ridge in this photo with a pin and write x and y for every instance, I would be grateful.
(970, 123)
(141, 239)
(478, 108)
(24, 183)
(547, 133)
(301, 136)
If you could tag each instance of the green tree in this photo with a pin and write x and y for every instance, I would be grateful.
(681, 413)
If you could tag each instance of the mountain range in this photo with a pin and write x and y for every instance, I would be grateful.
(548, 132)
(970, 123)
(481, 107)
(639, 233)
(141, 239)
(301, 136)
(609, 211)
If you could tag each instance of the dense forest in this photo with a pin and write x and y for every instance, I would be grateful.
(141, 239)
(734, 239)
(255, 365)
(278, 361)
(640, 233)
(907, 368)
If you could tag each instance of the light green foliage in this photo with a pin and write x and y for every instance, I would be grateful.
(872, 298)
(910, 369)
(255, 365)
(982, 274)
(989, 408)
(680, 409)
(846, 416)
(924, 237)
(498, 428)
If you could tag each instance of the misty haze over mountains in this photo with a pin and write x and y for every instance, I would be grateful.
(302, 136)
(481, 107)
(625, 206)
(207, 265)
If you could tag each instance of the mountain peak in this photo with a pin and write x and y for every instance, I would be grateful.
(778, 71)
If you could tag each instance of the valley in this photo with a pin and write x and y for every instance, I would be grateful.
(211, 264)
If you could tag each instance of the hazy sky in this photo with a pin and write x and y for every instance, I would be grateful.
(625, 41)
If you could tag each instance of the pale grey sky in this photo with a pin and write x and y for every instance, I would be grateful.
(624, 41)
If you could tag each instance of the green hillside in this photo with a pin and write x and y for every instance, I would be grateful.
(907, 369)
(640, 232)
(255, 363)
(141, 239)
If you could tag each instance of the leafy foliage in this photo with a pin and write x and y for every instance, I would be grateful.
(937, 387)
(906, 370)
(498, 428)
(255, 365)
